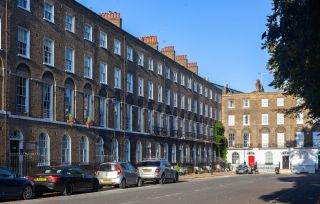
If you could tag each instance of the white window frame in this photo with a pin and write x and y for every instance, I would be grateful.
(150, 64)
(159, 93)
(280, 139)
(140, 86)
(72, 18)
(129, 53)
(189, 104)
(280, 118)
(300, 139)
(264, 102)
(246, 103)
(231, 103)
(84, 150)
(117, 78)
(103, 68)
(43, 150)
(89, 31)
(87, 66)
(182, 102)
(280, 102)
(160, 69)
(25, 41)
(129, 83)
(27, 7)
(71, 53)
(103, 112)
(231, 120)
(51, 11)
(150, 90)
(117, 47)
(264, 140)
(141, 59)
(265, 119)
(168, 71)
(182, 80)
(66, 151)
(47, 87)
(189, 83)
(175, 77)
(103, 40)
(300, 119)
(246, 120)
(50, 52)
(168, 98)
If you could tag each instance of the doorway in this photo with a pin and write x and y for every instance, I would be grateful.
(285, 162)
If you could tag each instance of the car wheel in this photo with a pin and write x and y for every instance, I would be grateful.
(95, 186)
(67, 189)
(176, 178)
(27, 193)
(140, 182)
(163, 179)
(123, 184)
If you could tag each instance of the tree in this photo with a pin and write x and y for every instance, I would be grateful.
(220, 140)
(293, 42)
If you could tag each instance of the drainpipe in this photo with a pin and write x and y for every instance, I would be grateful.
(4, 93)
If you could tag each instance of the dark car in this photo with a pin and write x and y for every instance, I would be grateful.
(66, 180)
(242, 169)
(13, 187)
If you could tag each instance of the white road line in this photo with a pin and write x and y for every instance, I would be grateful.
(165, 196)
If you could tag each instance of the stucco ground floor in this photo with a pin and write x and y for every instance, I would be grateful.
(297, 160)
(39, 143)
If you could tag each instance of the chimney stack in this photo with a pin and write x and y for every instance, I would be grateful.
(193, 66)
(169, 52)
(183, 60)
(113, 17)
(151, 41)
(259, 87)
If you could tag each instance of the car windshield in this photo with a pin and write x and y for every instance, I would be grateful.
(149, 163)
(53, 171)
(107, 167)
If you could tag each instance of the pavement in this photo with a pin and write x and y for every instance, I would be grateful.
(224, 189)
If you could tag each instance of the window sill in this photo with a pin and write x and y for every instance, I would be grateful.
(104, 83)
(49, 65)
(70, 31)
(88, 40)
(70, 72)
(25, 9)
(48, 20)
(89, 78)
(24, 56)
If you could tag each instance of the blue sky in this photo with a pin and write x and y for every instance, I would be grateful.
(224, 37)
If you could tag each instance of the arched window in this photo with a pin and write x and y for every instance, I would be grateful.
(246, 139)
(127, 150)
(87, 102)
(148, 150)
(231, 140)
(174, 154)
(22, 89)
(165, 152)
(103, 108)
(205, 155)
(235, 158)
(47, 95)
(66, 150)
(158, 151)
(84, 150)
(69, 98)
(138, 151)
(43, 150)
(115, 150)
(269, 158)
(99, 151)
(181, 154)
(187, 154)
(199, 155)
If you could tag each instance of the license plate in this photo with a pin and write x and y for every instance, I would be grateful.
(147, 170)
(41, 179)
(107, 180)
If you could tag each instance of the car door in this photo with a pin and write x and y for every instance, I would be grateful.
(133, 174)
(171, 170)
(84, 180)
(126, 173)
(166, 170)
(8, 185)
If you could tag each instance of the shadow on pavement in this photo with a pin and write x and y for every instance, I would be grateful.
(305, 189)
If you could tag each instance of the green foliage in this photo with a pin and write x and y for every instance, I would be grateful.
(221, 141)
(293, 42)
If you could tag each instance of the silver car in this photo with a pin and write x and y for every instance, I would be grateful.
(119, 174)
(157, 170)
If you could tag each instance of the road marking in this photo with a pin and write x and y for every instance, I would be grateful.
(165, 196)
(132, 202)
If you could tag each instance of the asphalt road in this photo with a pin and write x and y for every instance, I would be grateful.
(300, 189)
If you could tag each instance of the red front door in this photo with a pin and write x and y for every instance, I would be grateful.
(251, 160)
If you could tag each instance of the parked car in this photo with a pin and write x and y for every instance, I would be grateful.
(119, 174)
(242, 169)
(66, 180)
(157, 170)
(12, 186)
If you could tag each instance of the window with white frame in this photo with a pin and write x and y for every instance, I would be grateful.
(174, 154)
(264, 119)
(117, 47)
(280, 139)
(140, 87)
(300, 139)
(182, 80)
(69, 60)
(150, 64)
(246, 139)
(158, 151)
(211, 112)
(129, 53)
(103, 40)
(316, 139)
(103, 112)
(206, 92)
(231, 120)
(160, 69)
(189, 81)
(87, 104)
(211, 94)
(69, 23)
(129, 117)
(166, 152)
(148, 150)
(138, 151)
(117, 78)
(117, 115)
(43, 150)
(160, 120)
(246, 103)
(195, 86)
(168, 72)
(99, 151)
(69, 99)
(84, 150)
(66, 150)
(115, 149)
(48, 11)
(265, 140)
(87, 66)
(24, 4)
(231, 140)
(22, 95)
(280, 102)
(200, 108)
(150, 90)
(189, 104)
(299, 119)
(182, 125)
(183, 102)
(48, 51)
(168, 124)
(23, 42)
(47, 101)
(246, 119)
(140, 120)
(264, 102)
(235, 158)
(195, 106)
(87, 32)
(215, 113)
(103, 73)
(280, 118)
(175, 99)
(168, 97)
(231, 103)
(175, 123)
(140, 59)
(269, 158)
(200, 89)
(151, 120)
(175, 77)
(206, 110)
(159, 93)
(129, 83)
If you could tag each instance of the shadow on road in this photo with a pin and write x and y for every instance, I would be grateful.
(305, 189)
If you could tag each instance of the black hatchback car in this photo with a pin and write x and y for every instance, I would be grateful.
(66, 180)
(13, 187)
